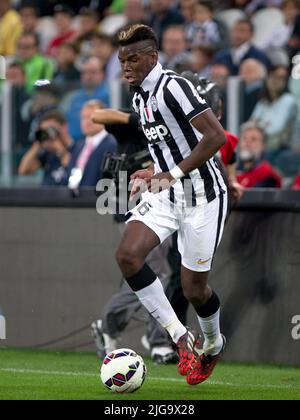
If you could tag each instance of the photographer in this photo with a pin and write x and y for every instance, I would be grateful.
(51, 150)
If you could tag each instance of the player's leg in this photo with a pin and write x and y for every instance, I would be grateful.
(157, 338)
(123, 305)
(199, 236)
(207, 306)
(174, 289)
(138, 241)
(156, 335)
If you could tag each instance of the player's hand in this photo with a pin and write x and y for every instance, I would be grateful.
(161, 182)
(140, 181)
(142, 174)
(236, 190)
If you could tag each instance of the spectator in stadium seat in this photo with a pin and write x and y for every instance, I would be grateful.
(204, 30)
(93, 87)
(103, 47)
(294, 42)
(30, 12)
(282, 34)
(163, 15)
(252, 6)
(253, 170)
(10, 28)
(47, 7)
(134, 12)
(35, 65)
(241, 48)
(15, 74)
(187, 9)
(63, 16)
(253, 73)
(88, 155)
(174, 48)
(29, 17)
(202, 61)
(88, 26)
(220, 74)
(66, 71)
(277, 114)
(52, 153)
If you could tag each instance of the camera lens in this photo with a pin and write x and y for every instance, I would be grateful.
(41, 136)
(50, 133)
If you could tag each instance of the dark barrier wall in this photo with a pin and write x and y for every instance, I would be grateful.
(57, 271)
(257, 273)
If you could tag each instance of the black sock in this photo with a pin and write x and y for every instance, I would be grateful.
(144, 278)
(210, 308)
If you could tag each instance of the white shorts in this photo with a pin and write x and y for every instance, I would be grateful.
(200, 228)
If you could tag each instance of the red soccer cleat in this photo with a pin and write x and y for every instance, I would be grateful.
(204, 367)
(186, 350)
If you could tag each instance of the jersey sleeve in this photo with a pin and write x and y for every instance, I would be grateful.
(182, 93)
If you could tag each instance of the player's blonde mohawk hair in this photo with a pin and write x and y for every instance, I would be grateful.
(129, 32)
(136, 33)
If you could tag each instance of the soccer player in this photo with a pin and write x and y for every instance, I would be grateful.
(184, 136)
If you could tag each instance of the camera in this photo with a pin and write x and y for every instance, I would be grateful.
(114, 164)
(43, 135)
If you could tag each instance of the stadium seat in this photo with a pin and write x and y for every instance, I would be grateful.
(265, 21)
(230, 17)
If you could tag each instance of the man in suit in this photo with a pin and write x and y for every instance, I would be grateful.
(85, 168)
(162, 15)
(253, 74)
(241, 48)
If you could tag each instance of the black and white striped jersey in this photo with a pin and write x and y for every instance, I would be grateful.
(166, 104)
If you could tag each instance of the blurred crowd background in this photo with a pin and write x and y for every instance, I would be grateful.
(250, 48)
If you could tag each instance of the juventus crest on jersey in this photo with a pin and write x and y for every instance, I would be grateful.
(167, 104)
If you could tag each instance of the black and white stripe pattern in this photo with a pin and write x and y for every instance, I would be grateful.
(166, 109)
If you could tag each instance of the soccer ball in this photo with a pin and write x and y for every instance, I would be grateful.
(123, 371)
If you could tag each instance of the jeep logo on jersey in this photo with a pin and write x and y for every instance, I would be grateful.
(156, 132)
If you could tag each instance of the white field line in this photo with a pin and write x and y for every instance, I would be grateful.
(150, 378)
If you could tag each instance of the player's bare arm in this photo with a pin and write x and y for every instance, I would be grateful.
(110, 117)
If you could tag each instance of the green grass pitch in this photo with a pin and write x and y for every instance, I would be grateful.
(42, 375)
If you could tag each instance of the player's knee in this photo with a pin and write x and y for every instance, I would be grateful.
(123, 257)
(127, 260)
(196, 296)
